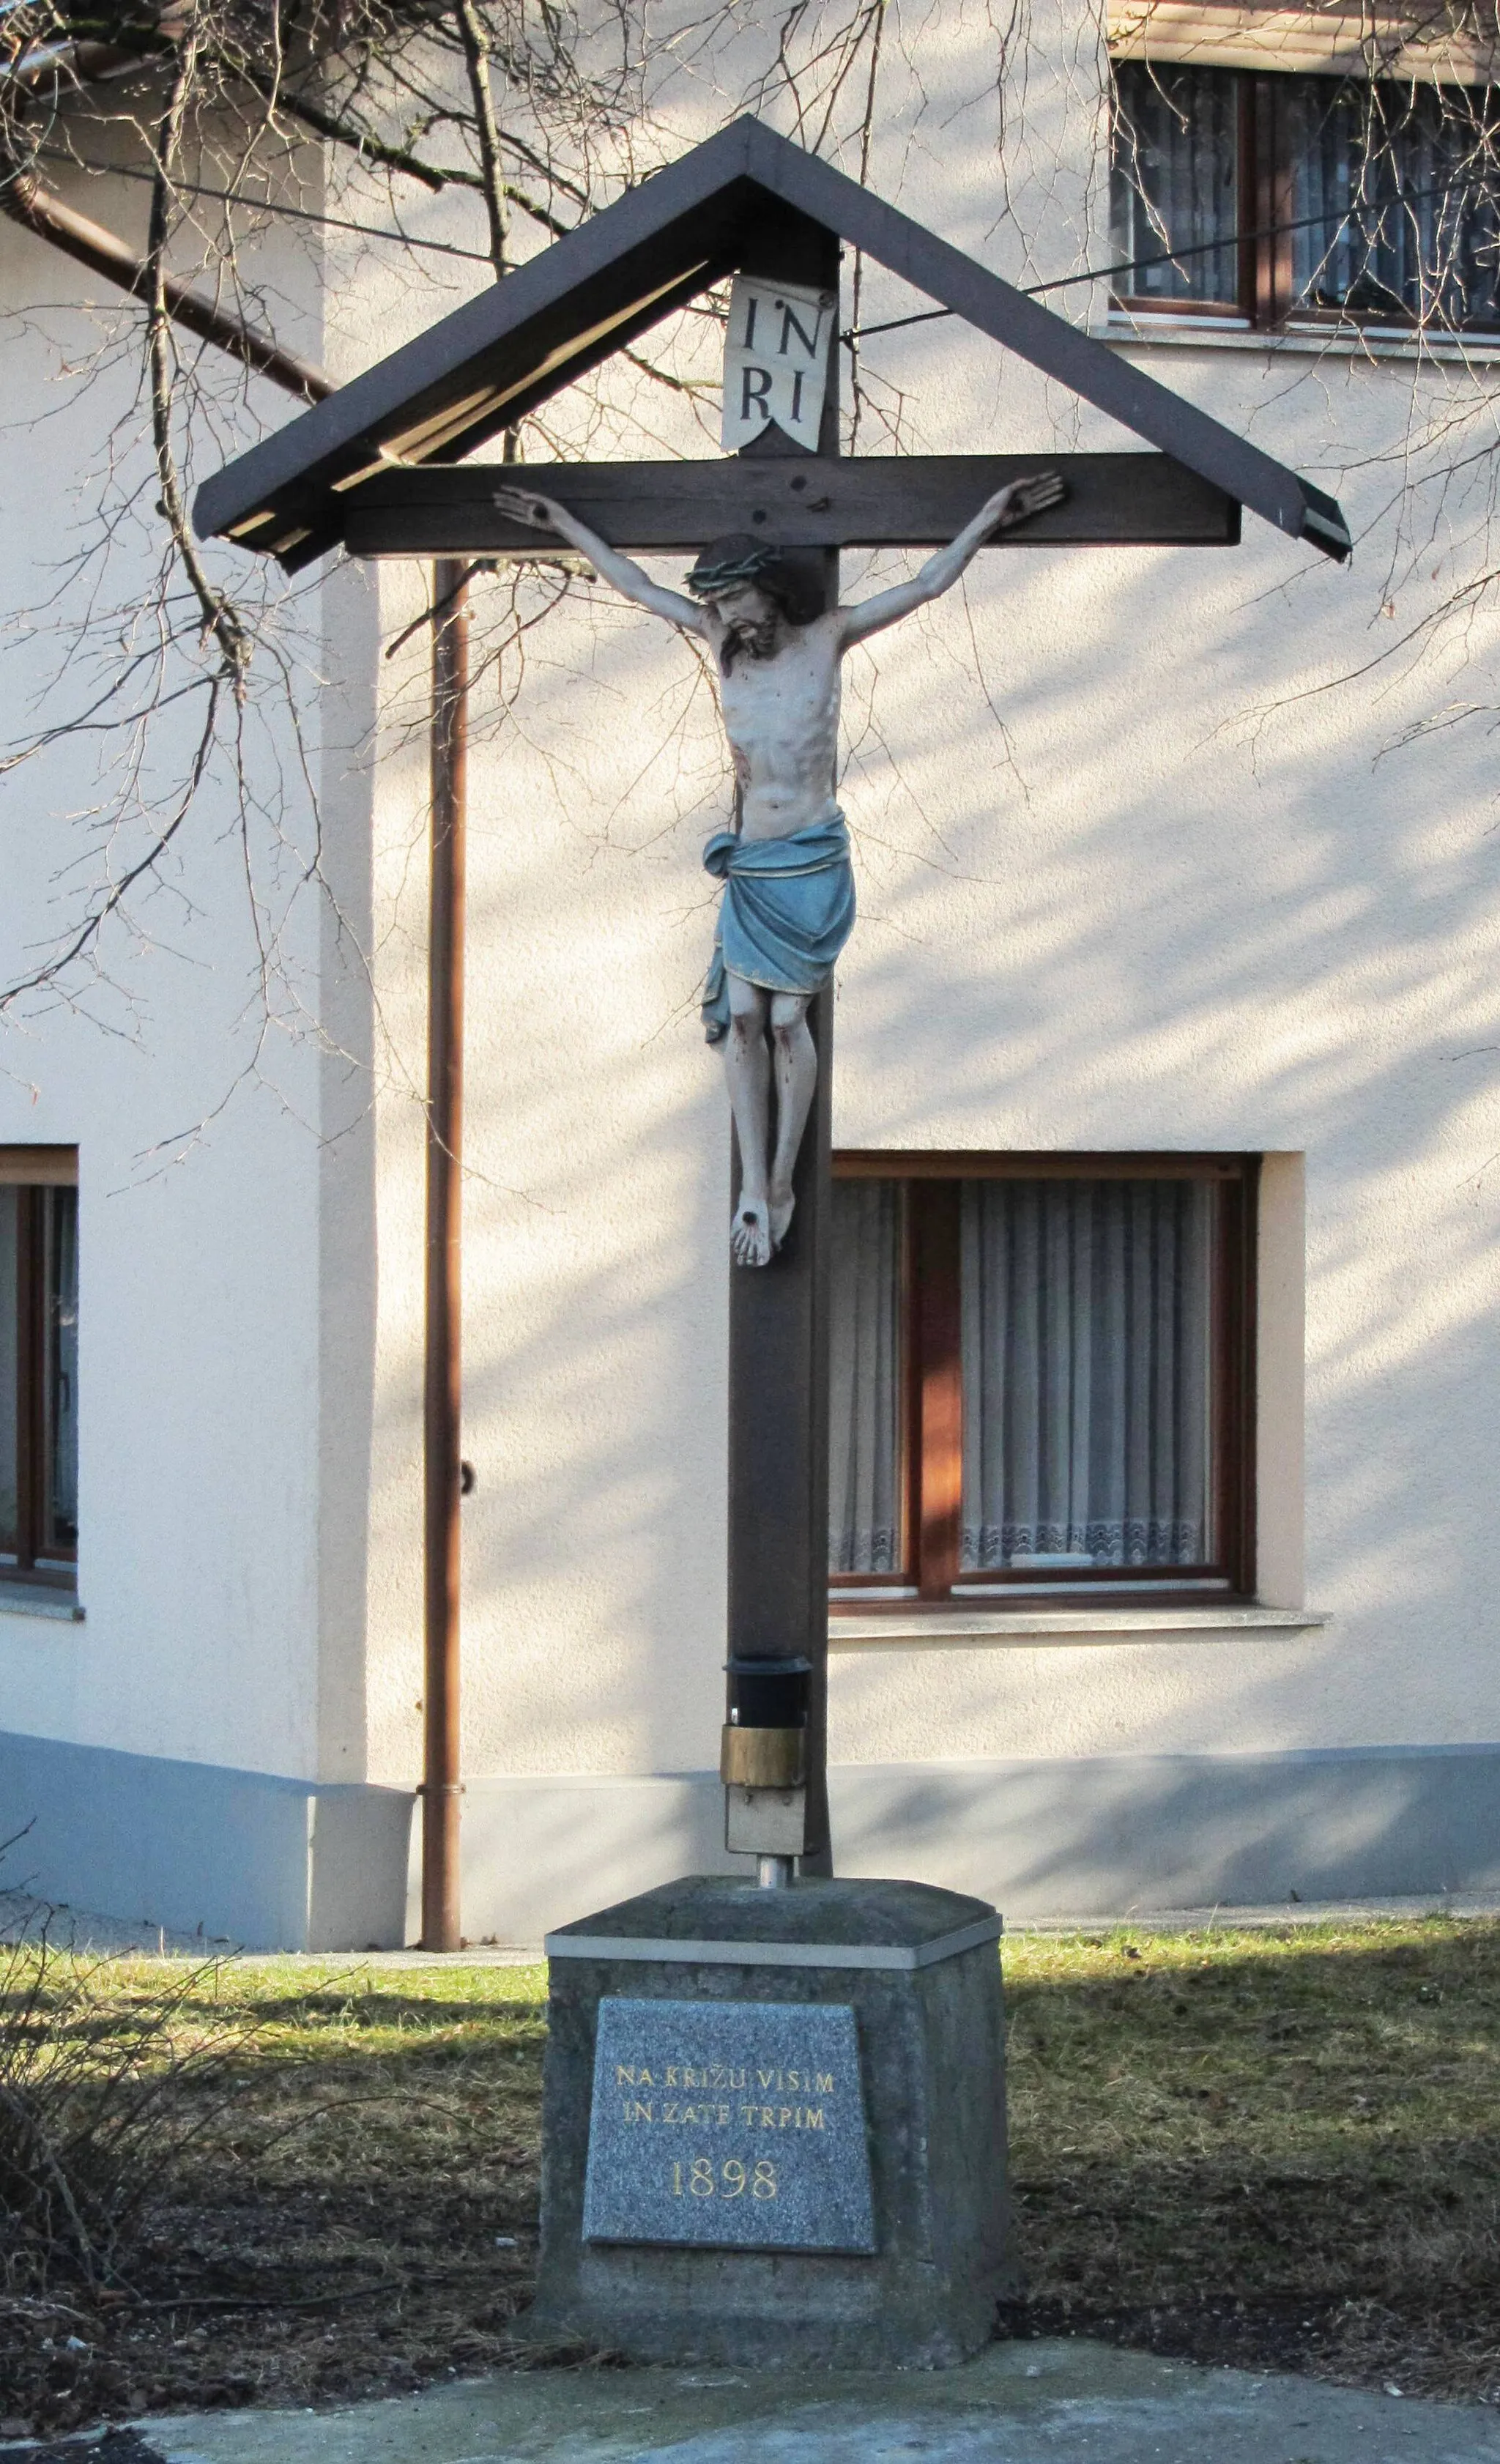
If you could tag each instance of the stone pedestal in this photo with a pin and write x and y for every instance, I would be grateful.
(774, 2125)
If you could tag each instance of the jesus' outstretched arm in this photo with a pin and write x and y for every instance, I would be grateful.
(621, 572)
(1002, 512)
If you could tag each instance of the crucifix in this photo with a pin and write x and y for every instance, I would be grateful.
(776, 630)
(789, 904)
(380, 469)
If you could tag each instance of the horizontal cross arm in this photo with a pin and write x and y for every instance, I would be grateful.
(804, 501)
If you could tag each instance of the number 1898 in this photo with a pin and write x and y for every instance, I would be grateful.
(697, 2179)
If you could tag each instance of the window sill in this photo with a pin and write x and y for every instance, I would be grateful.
(1312, 341)
(941, 1626)
(35, 1599)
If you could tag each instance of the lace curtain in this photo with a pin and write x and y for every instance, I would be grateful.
(1395, 187)
(1393, 190)
(1176, 180)
(865, 1380)
(1086, 1376)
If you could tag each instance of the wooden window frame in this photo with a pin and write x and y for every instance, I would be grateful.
(932, 1387)
(36, 1559)
(1262, 212)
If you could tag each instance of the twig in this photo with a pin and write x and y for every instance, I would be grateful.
(473, 2276)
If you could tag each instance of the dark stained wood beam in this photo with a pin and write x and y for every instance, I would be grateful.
(803, 501)
(779, 1315)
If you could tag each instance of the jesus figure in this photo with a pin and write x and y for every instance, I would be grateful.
(788, 902)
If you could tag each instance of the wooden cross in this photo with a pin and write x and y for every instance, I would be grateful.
(815, 504)
(379, 468)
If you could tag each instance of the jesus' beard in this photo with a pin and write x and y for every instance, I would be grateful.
(762, 641)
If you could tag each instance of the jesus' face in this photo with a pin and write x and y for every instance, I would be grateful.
(749, 617)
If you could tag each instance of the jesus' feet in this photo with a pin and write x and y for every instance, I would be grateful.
(782, 1204)
(750, 1234)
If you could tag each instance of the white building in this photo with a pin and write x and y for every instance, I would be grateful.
(1165, 1059)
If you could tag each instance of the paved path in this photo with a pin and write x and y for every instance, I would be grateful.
(1059, 2402)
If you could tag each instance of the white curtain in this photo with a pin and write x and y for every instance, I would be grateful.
(1176, 181)
(1086, 1371)
(865, 1380)
(1402, 182)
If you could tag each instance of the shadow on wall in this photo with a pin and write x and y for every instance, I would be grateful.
(542, 1852)
(266, 1862)
(1091, 1836)
(1114, 1833)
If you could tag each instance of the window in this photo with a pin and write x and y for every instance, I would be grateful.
(1040, 1375)
(1307, 198)
(39, 1364)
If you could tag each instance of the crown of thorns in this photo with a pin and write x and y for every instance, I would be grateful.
(729, 564)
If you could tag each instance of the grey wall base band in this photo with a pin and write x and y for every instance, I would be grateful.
(776, 1955)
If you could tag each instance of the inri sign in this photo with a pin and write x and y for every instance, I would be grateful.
(775, 361)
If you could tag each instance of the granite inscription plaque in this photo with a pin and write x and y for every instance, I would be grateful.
(728, 2126)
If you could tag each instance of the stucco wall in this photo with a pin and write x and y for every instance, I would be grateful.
(193, 1094)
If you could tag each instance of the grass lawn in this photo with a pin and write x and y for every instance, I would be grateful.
(1262, 2148)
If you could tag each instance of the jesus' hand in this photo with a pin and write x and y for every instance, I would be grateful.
(1036, 494)
(524, 505)
(540, 513)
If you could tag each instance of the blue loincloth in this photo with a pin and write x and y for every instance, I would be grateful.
(786, 912)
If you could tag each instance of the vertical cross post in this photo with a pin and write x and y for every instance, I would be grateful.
(779, 1336)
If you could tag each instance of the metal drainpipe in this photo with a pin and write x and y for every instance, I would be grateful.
(442, 1472)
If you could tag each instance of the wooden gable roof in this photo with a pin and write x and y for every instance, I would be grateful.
(483, 367)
